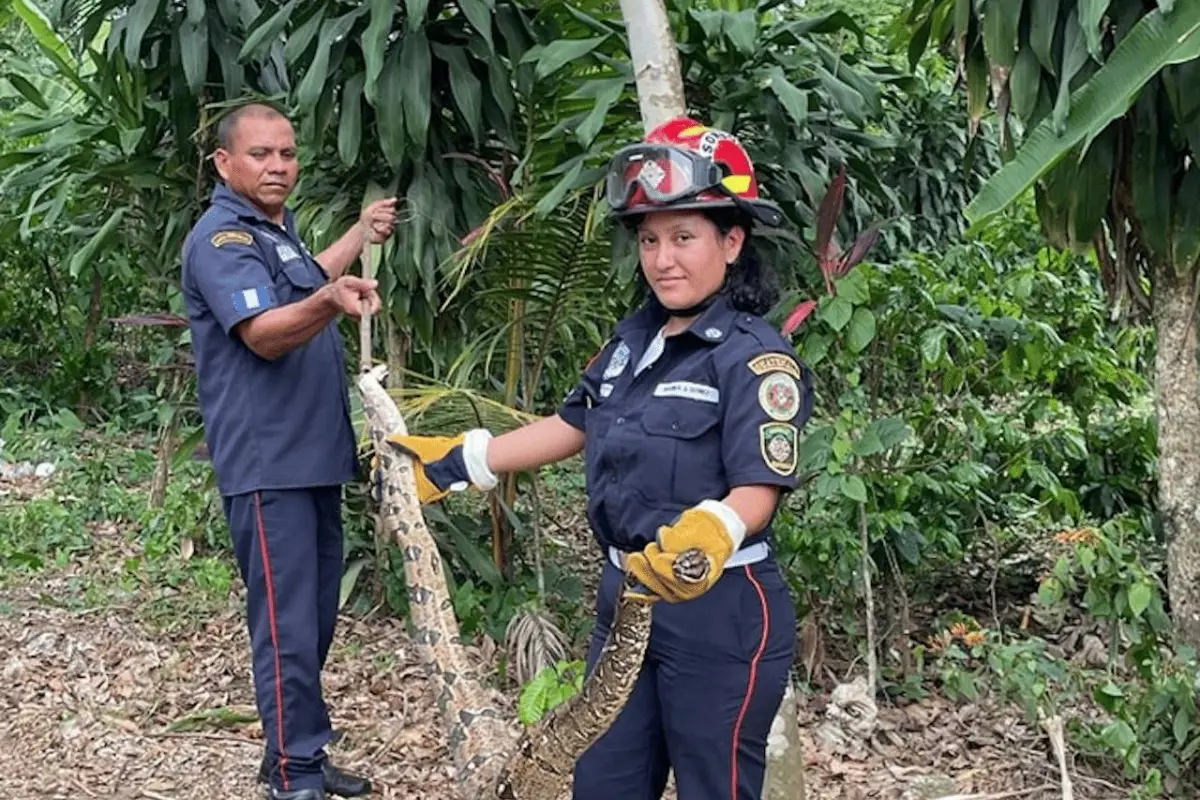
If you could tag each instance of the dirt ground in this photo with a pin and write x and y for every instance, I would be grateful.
(94, 705)
(100, 699)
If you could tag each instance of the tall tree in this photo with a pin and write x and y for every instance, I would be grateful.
(1099, 115)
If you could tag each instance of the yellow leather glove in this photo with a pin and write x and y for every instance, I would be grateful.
(428, 451)
(697, 528)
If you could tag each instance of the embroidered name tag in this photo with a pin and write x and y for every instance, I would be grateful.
(286, 252)
(692, 391)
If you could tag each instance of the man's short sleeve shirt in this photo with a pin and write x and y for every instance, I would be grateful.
(270, 424)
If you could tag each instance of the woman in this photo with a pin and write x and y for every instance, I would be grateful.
(689, 419)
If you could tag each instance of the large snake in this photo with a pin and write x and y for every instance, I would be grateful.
(544, 760)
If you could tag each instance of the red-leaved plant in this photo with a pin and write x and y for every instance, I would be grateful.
(833, 261)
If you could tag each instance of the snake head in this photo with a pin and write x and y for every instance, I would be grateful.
(692, 566)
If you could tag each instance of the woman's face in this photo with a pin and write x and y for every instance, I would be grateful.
(684, 255)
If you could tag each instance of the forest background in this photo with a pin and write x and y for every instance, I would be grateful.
(988, 398)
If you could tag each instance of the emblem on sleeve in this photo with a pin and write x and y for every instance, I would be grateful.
(777, 440)
(221, 238)
(779, 396)
(774, 362)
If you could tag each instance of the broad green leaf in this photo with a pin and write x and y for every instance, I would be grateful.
(836, 313)
(1182, 726)
(890, 431)
(465, 86)
(1074, 56)
(1185, 235)
(95, 244)
(349, 136)
(1043, 24)
(416, 67)
(375, 44)
(868, 444)
(793, 100)
(853, 487)
(1139, 597)
(193, 52)
(264, 35)
(349, 579)
(861, 330)
(1153, 43)
(299, 40)
(933, 345)
(848, 100)
(315, 74)
(28, 91)
(553, 197)
(1000, 21)
(417, 10)
(389, 110)
(593, 123)
(1091, 12)
(561, 52)
(742, 29)
(978, 88)
(1092, 188)
(140, 16)
(1024, 83)
(479, 13)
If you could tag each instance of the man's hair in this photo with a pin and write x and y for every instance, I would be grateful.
(227, 127)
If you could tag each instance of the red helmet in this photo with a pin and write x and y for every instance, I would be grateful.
(683, 164)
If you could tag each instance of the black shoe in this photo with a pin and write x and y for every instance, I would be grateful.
(297, 794)
(337, 781)
(343, 783)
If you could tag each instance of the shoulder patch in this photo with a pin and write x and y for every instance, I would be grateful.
(221, 238)
(777, 443)
(774, 362)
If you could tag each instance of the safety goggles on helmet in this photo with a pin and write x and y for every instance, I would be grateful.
(665, 174)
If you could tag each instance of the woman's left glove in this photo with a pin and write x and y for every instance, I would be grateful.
(711, 527)
(447, 464)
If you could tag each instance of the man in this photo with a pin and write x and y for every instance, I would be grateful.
(273, 395)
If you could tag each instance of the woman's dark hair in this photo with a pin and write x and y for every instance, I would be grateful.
(750, 282)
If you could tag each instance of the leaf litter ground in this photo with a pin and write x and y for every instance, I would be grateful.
(111, 694)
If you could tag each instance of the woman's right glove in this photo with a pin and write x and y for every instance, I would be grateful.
(447, 464)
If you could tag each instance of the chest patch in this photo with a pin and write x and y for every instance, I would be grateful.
(690, 390)
(286, 252)
(779, 396)
(617, 362)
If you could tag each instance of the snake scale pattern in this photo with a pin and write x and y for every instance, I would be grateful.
(491, 757)
(541, 766)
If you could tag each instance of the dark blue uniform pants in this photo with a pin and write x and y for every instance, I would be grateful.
(715, 674)
(289, 550)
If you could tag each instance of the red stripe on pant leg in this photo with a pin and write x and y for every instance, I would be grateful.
(262, 543)
(762, 646)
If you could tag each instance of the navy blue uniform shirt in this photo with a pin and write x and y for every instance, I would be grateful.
(281, 424)
(721, 406)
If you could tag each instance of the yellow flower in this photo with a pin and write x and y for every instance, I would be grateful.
(975, 638)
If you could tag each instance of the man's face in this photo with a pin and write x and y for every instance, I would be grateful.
(260, 163)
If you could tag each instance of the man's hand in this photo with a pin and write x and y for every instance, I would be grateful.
(347, 293)
(379, 219)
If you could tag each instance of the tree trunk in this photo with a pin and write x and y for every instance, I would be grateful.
(655, 61)
(1177, 388)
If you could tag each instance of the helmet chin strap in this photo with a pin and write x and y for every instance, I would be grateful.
(703, 305)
